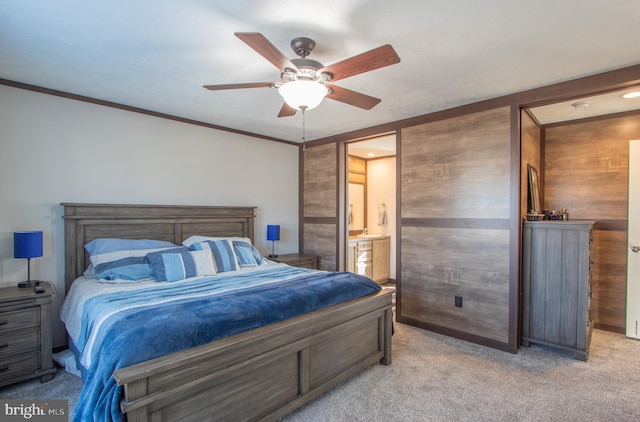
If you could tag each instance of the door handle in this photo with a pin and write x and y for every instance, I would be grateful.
(635, 249)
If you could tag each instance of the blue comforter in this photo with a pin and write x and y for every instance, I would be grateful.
(119, 329)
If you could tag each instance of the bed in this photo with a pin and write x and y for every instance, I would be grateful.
(259, 374)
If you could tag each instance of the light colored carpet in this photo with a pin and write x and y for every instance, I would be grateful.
(438, 378)
(64, 386)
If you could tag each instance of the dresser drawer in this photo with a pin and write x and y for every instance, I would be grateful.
(24, 363)
(18, 320)
(13, 343)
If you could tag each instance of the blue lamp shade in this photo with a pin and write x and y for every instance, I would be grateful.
(273, 232)
(27, 244)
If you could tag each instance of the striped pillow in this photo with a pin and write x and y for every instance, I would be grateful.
(123, 259)
(247, 255)
(222, 251)
(180, 263)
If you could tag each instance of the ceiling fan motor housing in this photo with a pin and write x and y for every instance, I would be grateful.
(302, 46)
(307, 69)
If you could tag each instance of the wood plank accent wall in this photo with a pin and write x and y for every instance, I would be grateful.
(321, 240)
(320, 178)
(586, 171)
(319, 204)
(443, 213)
(455, 196)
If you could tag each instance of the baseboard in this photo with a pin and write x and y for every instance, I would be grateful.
(612, 328)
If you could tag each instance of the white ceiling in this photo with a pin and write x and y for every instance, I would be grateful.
(157, 54)
(380, 146)
(582, 108)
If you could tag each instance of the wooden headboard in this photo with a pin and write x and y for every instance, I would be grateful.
(174, 223)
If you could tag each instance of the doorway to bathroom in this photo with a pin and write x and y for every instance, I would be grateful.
(370, 218)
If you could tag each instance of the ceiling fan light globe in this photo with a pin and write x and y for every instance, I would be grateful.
(301, 94)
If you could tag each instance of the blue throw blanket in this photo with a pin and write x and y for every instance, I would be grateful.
(139, 333)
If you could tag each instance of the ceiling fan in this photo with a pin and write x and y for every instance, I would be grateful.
(304, 82)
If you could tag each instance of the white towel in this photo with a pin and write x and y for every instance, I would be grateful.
(382, 217)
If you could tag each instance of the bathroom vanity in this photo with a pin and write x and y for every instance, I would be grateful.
(369, 255)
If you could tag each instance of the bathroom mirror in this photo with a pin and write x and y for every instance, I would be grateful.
(355, 208)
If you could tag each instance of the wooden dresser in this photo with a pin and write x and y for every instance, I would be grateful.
(556, 285)
(25, 334)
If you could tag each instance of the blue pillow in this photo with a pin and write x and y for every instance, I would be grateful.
(247, 255)
(123, 259)
(222, 252)
(180, 263)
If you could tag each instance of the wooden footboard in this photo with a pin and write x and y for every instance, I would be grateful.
(262, 374)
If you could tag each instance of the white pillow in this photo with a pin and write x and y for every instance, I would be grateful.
(198, 239)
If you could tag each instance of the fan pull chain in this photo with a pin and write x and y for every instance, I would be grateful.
(304, 129)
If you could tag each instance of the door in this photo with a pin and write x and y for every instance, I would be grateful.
(633, 252)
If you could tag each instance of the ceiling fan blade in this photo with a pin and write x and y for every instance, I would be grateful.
(365, 62)
(240, 86)
(267, 50)
(287, 111)
(353, 98)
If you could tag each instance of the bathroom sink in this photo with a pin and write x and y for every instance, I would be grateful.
(368, 236)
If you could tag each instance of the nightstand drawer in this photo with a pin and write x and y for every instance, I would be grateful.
(18, 320)
(298, 260)
(16, 342)
(25, 334)
(24, 363)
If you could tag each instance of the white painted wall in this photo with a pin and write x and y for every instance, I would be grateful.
(381, 189)
(57, 150)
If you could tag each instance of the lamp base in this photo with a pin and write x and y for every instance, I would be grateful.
(29, 283)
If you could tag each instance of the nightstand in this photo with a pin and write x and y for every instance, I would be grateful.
(298, 260)
(25, 334)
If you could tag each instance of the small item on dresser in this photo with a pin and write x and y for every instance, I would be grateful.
(532, 216)
(564, 214)
(38, 289)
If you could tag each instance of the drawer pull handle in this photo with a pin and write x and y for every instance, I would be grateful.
(4, 367)
(3, 345)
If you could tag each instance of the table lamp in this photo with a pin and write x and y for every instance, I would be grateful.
(27, 245)
(273, 234)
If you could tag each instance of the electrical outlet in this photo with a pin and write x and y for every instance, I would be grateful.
(458, 301)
